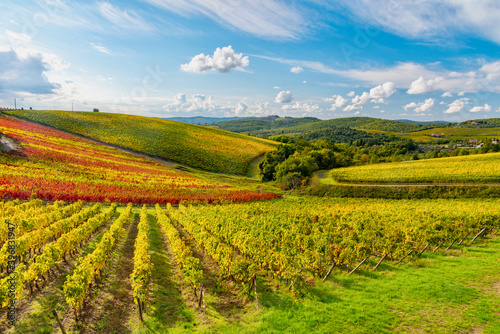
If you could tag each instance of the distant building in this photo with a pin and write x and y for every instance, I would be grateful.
(494, 142)
(473, 141)
(436, 135)
(474, 123)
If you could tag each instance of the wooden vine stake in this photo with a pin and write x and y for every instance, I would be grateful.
(329, 271)
(59, 321)
(379, 262)
(359, 265)
(451, 244)
(140, 309)
(441, 244)
(200, 298)
(477, 235)
(423, 250)
(404, 257)
(255, 291)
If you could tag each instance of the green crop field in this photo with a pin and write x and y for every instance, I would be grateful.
(200, 147)
(484, 168)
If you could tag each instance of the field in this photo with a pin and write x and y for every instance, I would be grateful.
(484, 168)
(200, 147)
(59, 166)
(267, 268)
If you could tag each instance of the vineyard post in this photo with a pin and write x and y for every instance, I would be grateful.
(140, 310)
(255, 290)
(404, 257)
(477, 235)
(451, 244)
(423, 250)
(379, 262)
(359, 265)
(58, 321)
(435, 249)
(201, 293)
(329, 271)
(203, 297)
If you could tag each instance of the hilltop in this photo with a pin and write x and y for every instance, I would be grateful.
(196, 146)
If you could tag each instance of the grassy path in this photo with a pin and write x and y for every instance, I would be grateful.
(112, 301)
(165, 307)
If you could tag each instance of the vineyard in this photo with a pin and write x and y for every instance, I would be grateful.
(59, 166)
(261, 251)
(206, 148)
(484, 168)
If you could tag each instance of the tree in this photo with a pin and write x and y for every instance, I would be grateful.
(96, 109)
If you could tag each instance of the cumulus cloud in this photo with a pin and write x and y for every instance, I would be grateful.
(297, 69)
(485, 108)
(351, 94)
(303, 107)
(241, 108)
(420, 107)
(383, 91)
(447, 94)
(422, 86)
(25, 74)
(284, 97)
(198, 103)
(457, 106)
(338, 102)
(223, 60)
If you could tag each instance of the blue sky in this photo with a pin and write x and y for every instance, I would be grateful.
(421, 60)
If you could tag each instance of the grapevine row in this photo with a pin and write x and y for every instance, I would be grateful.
(241, 270)
(77, 285)
(141, 276)
(189, 265)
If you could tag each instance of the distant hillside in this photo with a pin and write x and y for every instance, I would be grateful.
(200, 120)
(197, 146)
(422, 123)
(255, 125)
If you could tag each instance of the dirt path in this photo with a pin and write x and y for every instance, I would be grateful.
(6, 144)
(112, 304)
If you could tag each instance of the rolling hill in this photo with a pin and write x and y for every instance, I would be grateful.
(197, 146)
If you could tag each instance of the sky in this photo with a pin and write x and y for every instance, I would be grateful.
(407, 59)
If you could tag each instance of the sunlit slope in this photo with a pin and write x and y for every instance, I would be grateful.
(483, 168)
(59, 166)
(206, 148)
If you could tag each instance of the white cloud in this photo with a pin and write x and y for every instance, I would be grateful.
(430, 20)
(420, 86)
(304, 82)
(383, 91)
(179, 99)
(277, 87)
(284, 97)
(351, 94)
(462, 93)
(241, 108)
(357, 112)
(17, 37)
(492, 71)
(338, 102)
(457, 106)
(101, 49)
(24, 74)
(122, 18)
(303, 107)
(297, 69)
(420, 107)
(447, 94)
(351, 108)
(273, 19)
(485, 108)
(223, 60)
